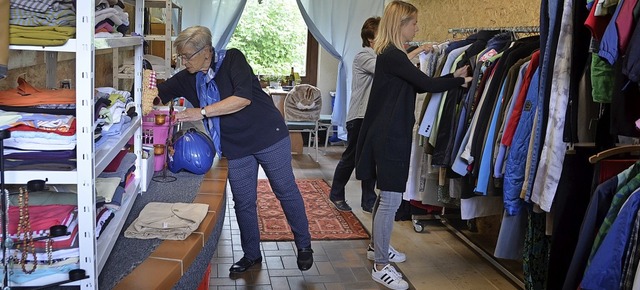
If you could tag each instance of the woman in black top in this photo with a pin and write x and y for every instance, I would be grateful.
(384, 144)
(250, 130)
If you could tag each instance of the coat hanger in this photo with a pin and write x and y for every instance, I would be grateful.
(614, 151)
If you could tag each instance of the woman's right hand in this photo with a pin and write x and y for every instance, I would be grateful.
(426, 47)
(461, 72)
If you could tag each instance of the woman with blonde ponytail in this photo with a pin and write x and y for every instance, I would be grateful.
(384, 143)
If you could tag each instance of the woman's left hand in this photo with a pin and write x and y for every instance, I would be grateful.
(467, 81)
(189, 115)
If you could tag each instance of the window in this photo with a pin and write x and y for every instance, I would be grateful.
(274, 38)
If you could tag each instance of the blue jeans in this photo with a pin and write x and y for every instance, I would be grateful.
(243, 178)
(383, 218)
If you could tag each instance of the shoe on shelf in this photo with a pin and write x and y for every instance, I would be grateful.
(305, 259)
(394, 255)
(244, 264)
(341, 205)
(389, 277)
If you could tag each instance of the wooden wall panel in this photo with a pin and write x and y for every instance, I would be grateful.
(31, 66)
(436, 17)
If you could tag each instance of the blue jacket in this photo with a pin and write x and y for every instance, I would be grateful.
(605, 270)
(609, 42)
(517, 156)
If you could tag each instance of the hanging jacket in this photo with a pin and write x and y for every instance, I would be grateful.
(507, 110)
(625, 107)
(512, 124)
(631, 64)
(516, 158)
(609, 44)
(580, 58)
(445, 141)
(548, 146)
(605, 270)
(520, 49)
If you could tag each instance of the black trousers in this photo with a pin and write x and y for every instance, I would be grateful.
(346, 166)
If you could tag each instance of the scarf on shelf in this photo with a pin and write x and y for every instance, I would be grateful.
(208, 94)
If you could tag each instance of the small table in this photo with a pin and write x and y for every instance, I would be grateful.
(278, 96)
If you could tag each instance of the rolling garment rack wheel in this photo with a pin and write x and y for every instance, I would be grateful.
(418, 227)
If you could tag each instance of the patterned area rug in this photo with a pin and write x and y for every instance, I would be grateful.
(325, 221)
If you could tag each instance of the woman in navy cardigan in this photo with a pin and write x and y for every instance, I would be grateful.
(223, 88)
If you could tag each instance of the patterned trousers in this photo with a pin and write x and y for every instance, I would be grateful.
(243, 178)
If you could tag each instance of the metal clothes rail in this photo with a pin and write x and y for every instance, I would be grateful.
(513, 29)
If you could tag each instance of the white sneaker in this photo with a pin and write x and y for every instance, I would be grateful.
(394, 255)
(389, 277)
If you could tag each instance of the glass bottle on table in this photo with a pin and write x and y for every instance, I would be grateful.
(292, 78)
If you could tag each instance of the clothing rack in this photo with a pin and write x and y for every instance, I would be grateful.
(512, 29)
(449, 220)
(421, 42)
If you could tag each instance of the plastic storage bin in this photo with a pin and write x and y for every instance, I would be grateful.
(153, 134)
(147, 169)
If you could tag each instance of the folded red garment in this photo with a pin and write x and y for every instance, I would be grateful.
(62, 132)
(42, 217)
(113, 166)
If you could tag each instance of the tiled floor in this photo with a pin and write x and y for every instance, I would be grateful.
(436, 259)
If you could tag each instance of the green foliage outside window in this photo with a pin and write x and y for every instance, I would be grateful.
(273, 37)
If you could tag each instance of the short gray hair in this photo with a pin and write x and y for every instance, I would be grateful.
(195, 36)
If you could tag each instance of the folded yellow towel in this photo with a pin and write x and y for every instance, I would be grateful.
(40, 35)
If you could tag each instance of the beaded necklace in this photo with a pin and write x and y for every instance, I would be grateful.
(24, 232)
(49, 249)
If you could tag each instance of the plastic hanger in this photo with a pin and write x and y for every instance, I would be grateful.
(614, 151)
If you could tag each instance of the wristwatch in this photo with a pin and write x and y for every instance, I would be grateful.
(203, 112)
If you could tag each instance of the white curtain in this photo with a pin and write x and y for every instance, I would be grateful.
(336, 25)
(221, 16)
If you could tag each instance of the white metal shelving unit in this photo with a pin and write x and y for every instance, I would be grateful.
(91, 161)
(168, 38)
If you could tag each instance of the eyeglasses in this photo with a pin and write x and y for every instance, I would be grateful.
(188, 58)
